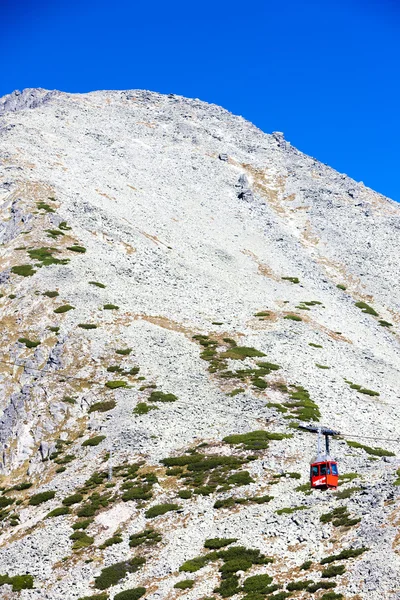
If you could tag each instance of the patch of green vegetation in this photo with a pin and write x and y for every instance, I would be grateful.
(28, 343)
(332, 596)
(87, 325)
(289, 511)
(347, 477)
(344, 555)
(6, 501)
(217, 543)
(262, 313)
(113, 385)
(132, 594)
(186, 494)
(339, 517)
(73, 499)
(216, 323)
(82, 524)
(45, 207)
(115, 539)
(94, 441)
(95, 597)
(257, 583)
(241, 352)
(102, 406)
(301, 406)
(340, 286)
(12, 296)
(230, 502)
(57, 512)
(54, 233)
(54, 329)
(37, 499)
(333, 571)
(160, 509)
(18, 582)
(347, 493)
(81, 540)
(76, 248)
(295, 586)
(255, 440)
(293, 317)
(69, 400)
(25, 485)
(124, 352)
(186, 584)
(235, 392)
(112, 575)
(142, 408)
(315, 345)
(291, 279)
(321, 366)
(321, 585)
(110, 307)
(383, 323)
(305, 565)
(98, 284)
(45, 257)
(373, 451)
(162, 397)
(147, 536)
(142, 492)
(51, 294)
(366, 309)
(360, 389)
(63, 309)
(23, 270)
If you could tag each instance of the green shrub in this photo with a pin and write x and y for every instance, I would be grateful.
(45, 257)
(87, 325)
(102, 406)
(306, 565)
(113, 385)
(115, 539)
(321, 366)
(217, 543)
(54, 233)
(332, 596)
(333, 571)
(369, 450)
(295, 586)
(321, 585)
(28, 343)
(110, 307)
(241, 352)
(132, 594)
(160, 509)
(82, 524)
(344, 555)
(25, 485)
(63, 309)
(293, 317)
(4, 501)
(240, 478)
(291, 279)
(255, 440)
(347, 493)
(366, 308)
(76, 248)
(257, 583)
(124, 352)
(383, 323)
(235, 392)
(37, 499)
(340, 286)
(81, 540)
(54, 329)
(63, 225)
(51, 294)
(112, 575)
(97, 284)
(45, 207)
(23, 270)
(18, 582)
(161, 397)
(147, 536)
(142, 408)
(289, 511)
(73, 499)
(315, 345)
(186, 494)
(263, 313)
(95, 597)
(57, 512)
(94, 441)
(186, 584)
(137, 493)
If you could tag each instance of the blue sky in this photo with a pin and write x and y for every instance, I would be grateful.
(325, 73)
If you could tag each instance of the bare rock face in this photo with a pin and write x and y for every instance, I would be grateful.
(178, 292)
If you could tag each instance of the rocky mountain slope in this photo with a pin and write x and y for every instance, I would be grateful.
(179, 291)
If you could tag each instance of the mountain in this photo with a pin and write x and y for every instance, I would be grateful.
(179, 291)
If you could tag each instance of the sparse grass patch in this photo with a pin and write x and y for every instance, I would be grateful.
(255, 440)
(333, 571)
(110, 307)
(293, 317)
(162, 397)
(366, 309)
(18, 582)
(73, 499)
(344, 555)
(142, 408)
(124, 352)
(76, 248)
(321, 366)
(98, 284)
(235, 392)
(28, 343)
(69, 400)
(23, 270)
(147, 536)
(112, 575)
(87, 325)
(241, 352)
(102, 406)
(295, 586)
(289, 511)
(160, 509)
(315, 345)
(37, 499)
(113, 385)
(81, 540)
(94, 441)
(54, 329)
(57, 512)
(54, 233)
(45, 257)
(217, 543)
(369, 450)
(383, 323)
(186, 584)
(339, 517)
(51, 294)
(63, 309)
(44, 206)
(347, 493)
(132, 594)
(262, 313)
(340, 286)
(291, 279)
(305, 565)
(115, 539)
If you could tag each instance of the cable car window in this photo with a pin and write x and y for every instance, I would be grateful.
(323, 469)
(314, 471)
(334, 469)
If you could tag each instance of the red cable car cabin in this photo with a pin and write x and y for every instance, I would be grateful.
(324, 474)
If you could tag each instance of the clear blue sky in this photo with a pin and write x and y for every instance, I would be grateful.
(324, 72)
